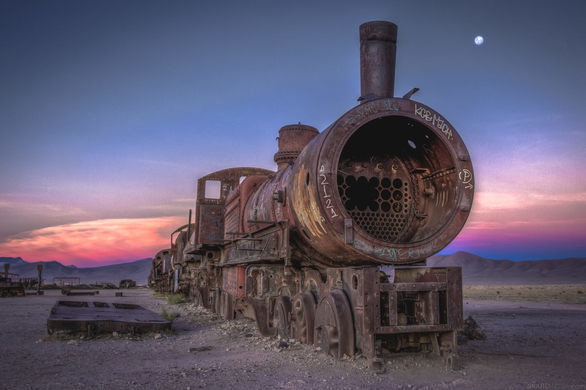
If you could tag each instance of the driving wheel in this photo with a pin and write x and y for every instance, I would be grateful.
(334, 329)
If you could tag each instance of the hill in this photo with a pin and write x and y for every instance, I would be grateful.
(479, 270)
(475, 270)
(135, 270)
(11, 260)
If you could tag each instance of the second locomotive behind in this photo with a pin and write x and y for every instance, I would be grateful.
(302, 250)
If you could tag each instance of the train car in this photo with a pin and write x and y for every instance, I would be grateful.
(330, 249)
(161, 272)
(8, 286)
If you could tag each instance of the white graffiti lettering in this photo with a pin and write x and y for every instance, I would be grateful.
(465, 177)
(436, 120)
(326, 195)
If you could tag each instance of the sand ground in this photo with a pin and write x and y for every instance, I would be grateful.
(548, 293)
(529, 345)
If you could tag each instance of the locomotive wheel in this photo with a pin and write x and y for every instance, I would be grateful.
(226, 306)
(282, 317)
(304, 313)
(207, 298)
(217, 300)
(196, 296)
(334, 329)
(262, 317)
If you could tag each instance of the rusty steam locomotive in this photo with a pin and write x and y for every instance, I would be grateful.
(331, 248)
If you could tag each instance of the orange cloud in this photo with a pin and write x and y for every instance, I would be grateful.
(94, 243)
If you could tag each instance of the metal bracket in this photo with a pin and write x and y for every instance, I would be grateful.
(410, 93)
(348, 231)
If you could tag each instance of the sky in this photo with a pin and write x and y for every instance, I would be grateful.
(110, 111)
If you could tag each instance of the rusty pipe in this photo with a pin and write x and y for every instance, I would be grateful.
(378, 46)
(39, 271)
(189, 226)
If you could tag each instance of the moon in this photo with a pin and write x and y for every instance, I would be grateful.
(479, 40)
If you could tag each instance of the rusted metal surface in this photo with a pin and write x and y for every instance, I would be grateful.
(8, 286)
(92, 318)
(160, 271)
(234, 280)
(69, 292)
(405, 184)
(301, 250)
(334, 328)
(127, 283)
(209, 211)
(292, 139)
(378, 45)
(390, 182)
(66, 280)
(303, 317)
(40, 279)
(416, 302)
(30, 283)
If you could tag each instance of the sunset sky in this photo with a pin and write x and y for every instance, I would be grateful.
(111, 110)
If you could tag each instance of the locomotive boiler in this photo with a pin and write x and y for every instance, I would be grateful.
(331, 248)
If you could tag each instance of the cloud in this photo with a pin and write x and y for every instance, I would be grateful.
(530, 231)
(561, 198)
(510, 222)
(45, 209)
(94, 243)
(525, 225)
(22, 212)
(173, 206)
(486, 202)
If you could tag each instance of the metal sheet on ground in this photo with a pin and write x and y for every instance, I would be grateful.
(101, 317)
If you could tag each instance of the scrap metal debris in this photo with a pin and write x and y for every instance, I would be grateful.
(92, 318)
(472, 331)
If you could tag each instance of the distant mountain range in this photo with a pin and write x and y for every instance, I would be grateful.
(478, 270)
(135, 270)
(475, 270)
(11, 260)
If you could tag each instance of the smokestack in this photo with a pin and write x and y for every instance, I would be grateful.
(378, 46)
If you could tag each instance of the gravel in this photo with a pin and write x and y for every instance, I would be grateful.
(526, 347)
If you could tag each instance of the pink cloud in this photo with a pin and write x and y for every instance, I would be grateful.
(94, 243)
(489, 201)
(525, 225)
(515, 238)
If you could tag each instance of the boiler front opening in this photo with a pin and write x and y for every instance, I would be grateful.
(397, 180)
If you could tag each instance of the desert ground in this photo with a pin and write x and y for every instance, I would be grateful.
(550, 293)
(533, 342)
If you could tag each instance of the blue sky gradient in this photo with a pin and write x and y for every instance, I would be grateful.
(113, 109)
